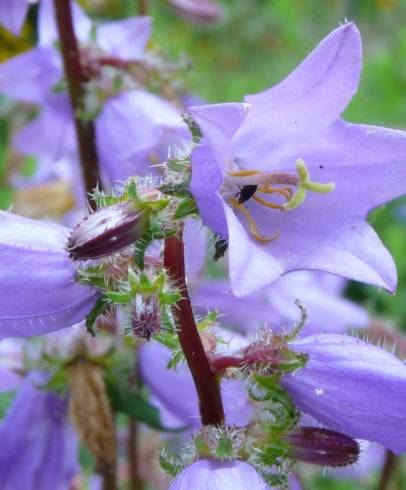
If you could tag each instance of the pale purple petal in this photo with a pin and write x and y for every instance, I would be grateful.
(195, 242)
(47, 32)
(30, 76)
(12, 14)
(206, 180)
(38, 279)
(183, 407)
(126, 39)
(212, 474)
(310, 98)
(128, 130)
(39, 446)
(9, 380)
(35, 138)
(353, 387)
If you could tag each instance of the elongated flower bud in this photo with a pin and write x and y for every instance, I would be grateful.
(322, 446)
(145, 319)
(198, 11)
(106, 232)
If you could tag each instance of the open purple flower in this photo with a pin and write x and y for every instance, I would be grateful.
(213, 474)
(289, 183)
(40, 293)
(352, 387)
(39, 446)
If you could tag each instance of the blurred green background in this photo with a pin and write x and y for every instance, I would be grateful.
(253, 46)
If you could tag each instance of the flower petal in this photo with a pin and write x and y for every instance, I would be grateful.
(40, 292)
(47, 32)
(353, 387)
(311, 97)
(30, 76)
(12, 14)
(37, 424)
(212, 474)
(125, 39)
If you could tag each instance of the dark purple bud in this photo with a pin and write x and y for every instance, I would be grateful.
(199, 11)
(106, 232)
(322, 446)
(145, 318)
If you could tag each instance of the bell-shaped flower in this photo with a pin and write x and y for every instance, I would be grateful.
(352, 387)
(213, 474)
(289, 183)
(182, 410)
(40, 293)
(39, 446)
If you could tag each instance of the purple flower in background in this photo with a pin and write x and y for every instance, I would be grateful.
(275, 306)
(352, 387)
(248, 190)
(213, 474)
(182, 410)
(39, 446)
(12, 14)
(40, 293)
(133, 128)
(199, 11)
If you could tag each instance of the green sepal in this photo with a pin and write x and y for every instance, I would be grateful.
(100, 307)
(224, 449)
(169, 297)
(172, 466)
(119, 297)
(185, 208)
(6, 399)
(145, 285)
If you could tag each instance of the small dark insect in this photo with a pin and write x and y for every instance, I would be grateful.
(246, 192)
(220, 248)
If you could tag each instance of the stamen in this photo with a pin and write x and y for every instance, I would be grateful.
(286, 192)
(244, 173)
(251, 223)
(268, 204)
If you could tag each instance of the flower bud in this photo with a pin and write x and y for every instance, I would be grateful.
(106, 232)
(322, 446)
(145, 318)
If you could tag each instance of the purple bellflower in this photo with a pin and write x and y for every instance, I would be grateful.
(182, 410)
(289, 183)
(39, 446)
(40, 293)
(213, 474)
(125, 147)
(352, 387)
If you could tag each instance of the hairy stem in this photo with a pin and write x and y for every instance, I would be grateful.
(388, 470)
(76, 80)
(208, 390)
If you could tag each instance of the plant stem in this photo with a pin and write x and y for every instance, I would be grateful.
(208, 390)
(142, 7)
(76, 80)
(388, 470)
(136, 482)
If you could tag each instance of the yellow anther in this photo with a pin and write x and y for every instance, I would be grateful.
(266, 203)
(251, 223)
(245, 173)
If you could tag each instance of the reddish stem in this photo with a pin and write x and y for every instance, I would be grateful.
(208, 390)
(76, 79)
